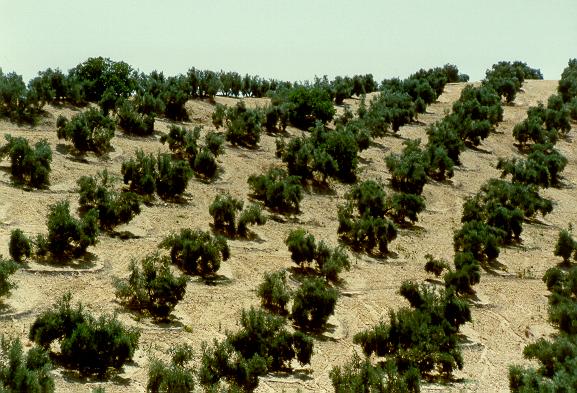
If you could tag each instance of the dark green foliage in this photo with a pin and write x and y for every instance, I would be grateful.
(20, 246)
(403, 206)
(274, 292)
(423, 337)
(243, 125)
(196, 252)
(185, 145)
(572, 108)
(17, 103)
(141, 173)
(328, 153)
(304, 250)
(252, 215)
(475, 113)
(87, 344)
(396, 109)
(408, 170)
(504, 205)
(151, 286)
(30, 166)
(182, 141)
(478, 238)
(218, 116)
(360, 376)
(7, 268)
(68, 236)
(96, 75)
(263, 334)
(276, 117)
(175, 95)
(435, 266)
(89, 131)
(205, 164)
(223, 210)
(564, 247)
(442, 134)
(277, 190)
(133, 122)
(362, 224)
(544, 125)
(369, 198)
(306, 105)
(556, 356)
(541, 167)
(313, 303)
(263, 344)
(466, 274)
(113, 207)
(214, 142)
(557, 115)
(149, 105)
(567, 87)
(506, 79)
(20, 372)
(177, 376)
(173, 176)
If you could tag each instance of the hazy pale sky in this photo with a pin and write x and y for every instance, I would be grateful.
(289, 40)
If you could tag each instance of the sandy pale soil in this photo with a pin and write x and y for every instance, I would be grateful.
(512, 307)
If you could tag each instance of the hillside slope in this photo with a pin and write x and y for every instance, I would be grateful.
(511, 310)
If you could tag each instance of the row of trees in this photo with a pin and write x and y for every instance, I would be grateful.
(557, 355)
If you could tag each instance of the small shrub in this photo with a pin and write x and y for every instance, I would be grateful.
(223, 210)
(140, 173)
(173, 176)
(361, 376)
(196, 252)
(565, 245)
(88, 131)
(361, 219)
(7, 268)
(87, 344)
(306, 105)
(423, 337)
(20, 246)
(304, 250)
(405, 206)
(113, 207)
(177, 376)
(21, 372)
(133, 122)
(243, 125)
(262, 345)
(277, 190)
(480, 239)
(30, 166)
(408, 170)
(252, 215)
(214, 143)
(274, 292)
(151, 286)
(67, 236)
(205, 164)
(313, 303)
(435, 266)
